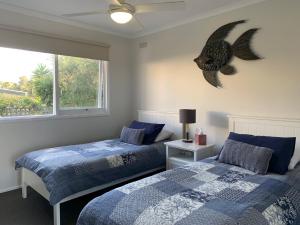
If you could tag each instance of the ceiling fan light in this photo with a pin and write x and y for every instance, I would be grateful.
(121, 17)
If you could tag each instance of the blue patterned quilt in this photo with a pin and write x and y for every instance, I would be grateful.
(71, 169)
(203, 193)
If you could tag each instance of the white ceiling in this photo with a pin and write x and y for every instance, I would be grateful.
(152, 22)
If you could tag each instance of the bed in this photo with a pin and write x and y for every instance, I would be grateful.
(207, 192)
(64, 173)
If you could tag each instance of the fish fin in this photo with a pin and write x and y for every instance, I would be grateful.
(242, 46)
(223, 31)
(212, 78)
(228, 70)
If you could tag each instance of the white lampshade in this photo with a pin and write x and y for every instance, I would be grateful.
(121, 16)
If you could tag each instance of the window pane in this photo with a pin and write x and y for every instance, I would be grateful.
(79, 83)
(26, 83)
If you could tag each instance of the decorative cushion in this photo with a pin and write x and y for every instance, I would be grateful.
(151, 130)
(250, 157)
(283, 149)
(132, 136)
(163, 135)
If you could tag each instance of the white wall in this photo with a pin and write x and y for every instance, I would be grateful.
(18, 138)
(167, 79)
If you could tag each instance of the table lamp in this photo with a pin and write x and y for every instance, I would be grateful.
(187, 116)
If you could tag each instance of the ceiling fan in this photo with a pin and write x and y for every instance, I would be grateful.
(122, 12)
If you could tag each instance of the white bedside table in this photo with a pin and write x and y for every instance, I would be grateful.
(180, 153)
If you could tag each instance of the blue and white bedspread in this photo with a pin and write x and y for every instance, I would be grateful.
(204, 193)
(71, 169)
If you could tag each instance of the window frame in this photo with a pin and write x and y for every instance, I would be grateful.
(59, 113)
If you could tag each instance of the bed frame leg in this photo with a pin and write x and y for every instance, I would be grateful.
(24, 190)
(56, 214)
(23, 184)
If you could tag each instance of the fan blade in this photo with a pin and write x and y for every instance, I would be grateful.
(163, 6)
(84, 13)
(139, 22)
(115, 2)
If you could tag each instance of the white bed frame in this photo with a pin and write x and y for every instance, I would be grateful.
(267, 126)
(28, 178)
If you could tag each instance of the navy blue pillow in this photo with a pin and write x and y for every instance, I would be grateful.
(283, 149)
(151, 130)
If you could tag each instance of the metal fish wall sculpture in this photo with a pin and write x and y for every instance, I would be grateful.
(218, 53)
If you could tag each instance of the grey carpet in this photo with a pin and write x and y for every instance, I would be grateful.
(35, 210)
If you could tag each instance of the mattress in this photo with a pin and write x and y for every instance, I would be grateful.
(70, 169)
(205, 193)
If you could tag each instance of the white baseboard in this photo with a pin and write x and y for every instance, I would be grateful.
(10, 189)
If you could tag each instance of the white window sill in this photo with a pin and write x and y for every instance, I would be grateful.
(50, 117)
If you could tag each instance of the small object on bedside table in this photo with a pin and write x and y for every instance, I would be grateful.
(200, 138)
(187, 116)
(179, 153)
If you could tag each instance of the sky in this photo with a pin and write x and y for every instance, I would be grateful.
(15, 63)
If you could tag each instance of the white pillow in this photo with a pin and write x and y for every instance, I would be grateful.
(163, 135)
(295, 159)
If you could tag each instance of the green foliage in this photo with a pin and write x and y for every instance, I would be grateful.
(25, 85)
(39, 91)
(78, 81)
(9, 85)
(19, 102)
(42, 84)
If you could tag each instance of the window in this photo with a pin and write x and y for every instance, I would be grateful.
(37, 84)
(81, 84)
(26, 83)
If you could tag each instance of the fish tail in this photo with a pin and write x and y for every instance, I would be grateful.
(242, 46)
